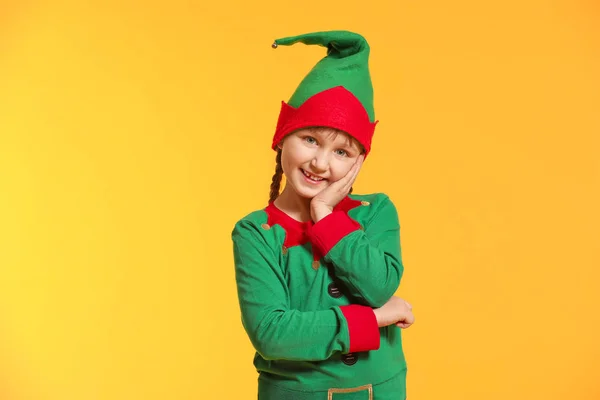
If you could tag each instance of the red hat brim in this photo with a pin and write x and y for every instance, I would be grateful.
(334, 108)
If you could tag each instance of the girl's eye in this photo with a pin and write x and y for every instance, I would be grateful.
(341, 152)
(310, 140)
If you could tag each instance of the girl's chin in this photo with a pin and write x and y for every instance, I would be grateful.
(306, 192)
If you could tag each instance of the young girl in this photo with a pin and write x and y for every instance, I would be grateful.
(317, 269)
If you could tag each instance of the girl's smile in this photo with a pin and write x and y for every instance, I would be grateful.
(312, 179)
(313, 158)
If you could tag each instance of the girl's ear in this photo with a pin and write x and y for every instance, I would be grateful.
(280, 146)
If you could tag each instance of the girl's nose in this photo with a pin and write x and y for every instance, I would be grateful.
(320, 163)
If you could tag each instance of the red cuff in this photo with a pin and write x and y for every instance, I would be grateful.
(327, 232)
(363, 328)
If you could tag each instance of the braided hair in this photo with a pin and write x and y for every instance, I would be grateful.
(276, 181)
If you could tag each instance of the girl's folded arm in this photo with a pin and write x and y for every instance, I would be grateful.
(368, 262)
(278, 332)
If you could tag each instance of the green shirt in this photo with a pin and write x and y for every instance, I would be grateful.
(306, 293)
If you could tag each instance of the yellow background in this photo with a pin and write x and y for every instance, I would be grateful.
(134, 134)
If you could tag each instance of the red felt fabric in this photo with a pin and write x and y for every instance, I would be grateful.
(296, 232)
(327, 232)
(334, 108)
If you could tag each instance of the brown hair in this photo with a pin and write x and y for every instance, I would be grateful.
(276, 180)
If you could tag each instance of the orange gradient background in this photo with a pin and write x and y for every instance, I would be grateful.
(133, 135)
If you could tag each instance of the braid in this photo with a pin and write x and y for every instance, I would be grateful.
(276, 183)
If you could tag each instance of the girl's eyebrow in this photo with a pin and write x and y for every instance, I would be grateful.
(348, 143)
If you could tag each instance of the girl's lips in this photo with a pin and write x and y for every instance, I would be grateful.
(309, 180)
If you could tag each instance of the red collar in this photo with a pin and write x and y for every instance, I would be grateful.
(296, 231)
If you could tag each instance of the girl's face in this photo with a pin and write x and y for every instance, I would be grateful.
(313, 158)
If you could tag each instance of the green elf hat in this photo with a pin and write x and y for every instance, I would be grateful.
(337, 93)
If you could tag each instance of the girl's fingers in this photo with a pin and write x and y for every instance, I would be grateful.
(347, 181)
(353, 173)
(403, 325)
(350, 176)
(344, 184)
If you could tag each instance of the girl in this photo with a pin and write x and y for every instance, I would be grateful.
(317, 269)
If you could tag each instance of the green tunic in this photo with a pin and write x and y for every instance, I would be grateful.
(306, 293)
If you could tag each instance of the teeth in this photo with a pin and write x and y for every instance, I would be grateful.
(314, 178)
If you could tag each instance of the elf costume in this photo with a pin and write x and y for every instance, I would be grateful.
(307, 290)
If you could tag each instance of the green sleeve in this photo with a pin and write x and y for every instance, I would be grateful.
(275, 330)
(368, 262)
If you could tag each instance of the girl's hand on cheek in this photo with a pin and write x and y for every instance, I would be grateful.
(323, 203)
